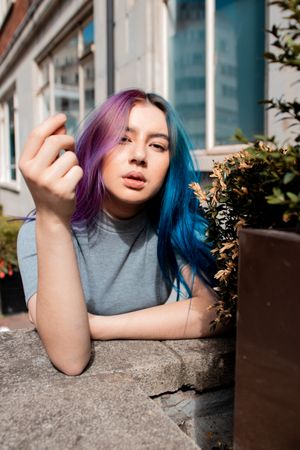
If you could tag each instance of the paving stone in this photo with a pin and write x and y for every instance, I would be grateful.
(84, 413)
(23, 357)
(150, 363)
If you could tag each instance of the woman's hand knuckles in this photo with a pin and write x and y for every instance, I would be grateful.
(36, 133)
(70, 157)
(79, 171)
(53, 141)
(60, 140)
(30, 172)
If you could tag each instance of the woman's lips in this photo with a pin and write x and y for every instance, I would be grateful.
(133, 183)
(134, 180)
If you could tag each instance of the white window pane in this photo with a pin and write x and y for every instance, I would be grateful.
(239, 81)
(66, 82)
(44, 74)
(45, 99)
(12, 143)
(89, 90)
(187, 64)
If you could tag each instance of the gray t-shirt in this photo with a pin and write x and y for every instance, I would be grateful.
(118, 264)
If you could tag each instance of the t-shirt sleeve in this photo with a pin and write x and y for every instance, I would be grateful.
(27, 258)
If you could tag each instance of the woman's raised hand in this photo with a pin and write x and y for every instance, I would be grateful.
(51, 178)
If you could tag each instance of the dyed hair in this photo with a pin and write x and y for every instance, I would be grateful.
(174, 211)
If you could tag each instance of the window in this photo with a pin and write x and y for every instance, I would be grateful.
(216, 67)
(8, 141)
(66, 81)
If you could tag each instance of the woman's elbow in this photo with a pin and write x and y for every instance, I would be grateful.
(72, 368)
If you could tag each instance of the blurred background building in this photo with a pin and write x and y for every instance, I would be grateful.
(205, 56)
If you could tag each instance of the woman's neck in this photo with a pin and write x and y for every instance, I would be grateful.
(121, 211)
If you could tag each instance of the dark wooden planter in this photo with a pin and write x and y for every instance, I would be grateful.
(267, 395)
(12, 294)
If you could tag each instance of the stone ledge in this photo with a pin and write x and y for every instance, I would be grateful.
(108, 406)
(85, 413)
(158, 367)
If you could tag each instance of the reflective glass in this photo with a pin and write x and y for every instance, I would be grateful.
(239, 79)
(88, 36)
(187, 65)
(66, 82)
(44, 70)
(45, 98)
(12, 143)
(89, 90)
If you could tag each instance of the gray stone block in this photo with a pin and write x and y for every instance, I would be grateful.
(108, 405)
(207, 363)
(23, 357)
(150, 363)
(84, 413)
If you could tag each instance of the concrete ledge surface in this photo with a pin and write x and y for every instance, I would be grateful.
(108, 406)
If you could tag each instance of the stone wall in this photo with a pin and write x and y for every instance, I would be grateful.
(133, 395)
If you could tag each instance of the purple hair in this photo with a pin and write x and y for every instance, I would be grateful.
(100, 134)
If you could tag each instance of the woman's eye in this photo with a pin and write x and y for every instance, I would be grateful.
(159, 147)
(124, 140)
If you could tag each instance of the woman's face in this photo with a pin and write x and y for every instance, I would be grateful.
(134, 170)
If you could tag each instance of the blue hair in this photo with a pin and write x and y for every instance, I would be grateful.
(181, 223)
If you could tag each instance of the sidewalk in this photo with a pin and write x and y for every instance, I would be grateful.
(14, 322)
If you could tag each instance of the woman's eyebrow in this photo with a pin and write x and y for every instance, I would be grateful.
(151, 135)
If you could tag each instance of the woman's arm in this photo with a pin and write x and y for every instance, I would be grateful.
(184, 319)
(58, 309)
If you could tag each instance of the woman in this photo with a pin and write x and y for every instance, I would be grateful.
(116, 227)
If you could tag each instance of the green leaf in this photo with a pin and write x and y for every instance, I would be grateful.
(288, 177)
(293, 197)
(239, 136)
(270, 56)
(277, 197)
(274, 200)
(261, 137)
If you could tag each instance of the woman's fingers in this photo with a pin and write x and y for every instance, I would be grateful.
(62, 165)
(51, 148)
(61, 130)
(51, 178)
(40, 133)
(72, 178)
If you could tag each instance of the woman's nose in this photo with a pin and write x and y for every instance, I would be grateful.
(138, 154)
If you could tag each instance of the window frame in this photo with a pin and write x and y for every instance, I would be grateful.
(82, 57)
(6, 182)
(204, 157)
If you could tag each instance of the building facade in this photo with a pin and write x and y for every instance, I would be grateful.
(205, 56)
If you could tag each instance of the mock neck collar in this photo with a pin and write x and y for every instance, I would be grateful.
(131, 225)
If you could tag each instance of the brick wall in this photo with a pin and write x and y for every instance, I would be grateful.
(16, 17)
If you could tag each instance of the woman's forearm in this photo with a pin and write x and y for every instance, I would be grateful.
(61, 315)
(185, 319)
